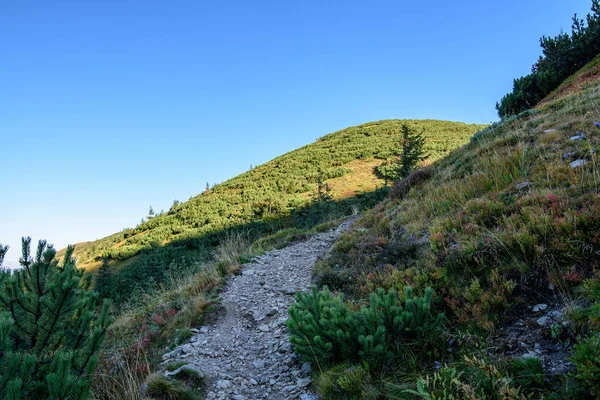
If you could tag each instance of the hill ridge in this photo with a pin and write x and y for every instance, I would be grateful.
(282, 193)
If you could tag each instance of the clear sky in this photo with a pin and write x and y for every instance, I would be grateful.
(110, 106)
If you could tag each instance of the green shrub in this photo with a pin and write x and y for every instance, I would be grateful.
(385, 327)
(324, 328)
(182, 335)
(346, 382)
(563, 55)
(586, 357)
(444, 384)
(478, 379)
(160, 387)
(528, 372)
(417, 177)
(51, 334)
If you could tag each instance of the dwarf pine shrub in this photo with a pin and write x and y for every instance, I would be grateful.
(385, 325)
(51, 333)
(324, 328)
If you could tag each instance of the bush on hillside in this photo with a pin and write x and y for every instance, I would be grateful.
(401, 188)
(51, 334)
(323, 328)
(586, 357)
(562, 56)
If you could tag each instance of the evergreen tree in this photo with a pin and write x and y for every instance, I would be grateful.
(103, 281)
(412, 151)
(50, 331)
(151, 212)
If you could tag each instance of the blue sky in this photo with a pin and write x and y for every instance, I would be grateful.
(108, 107)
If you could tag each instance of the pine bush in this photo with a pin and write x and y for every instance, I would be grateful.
(387, 326)
(324, 328)
(51, 332)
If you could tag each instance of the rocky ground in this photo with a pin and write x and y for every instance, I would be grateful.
(532, 336)
(246, 353)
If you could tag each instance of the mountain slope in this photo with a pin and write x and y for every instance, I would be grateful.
(506, 223)
(267, 197)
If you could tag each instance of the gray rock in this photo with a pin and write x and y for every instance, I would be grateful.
(223, 384)
(306, 368)
(238, 397)
(550, 130)
(258, 364)
(578, 163)
(187, 348)
(523, 185)
(578, 136)
(543, 321)
(303, 382)
(263, 328)
(272, 312)
(539, 307)
(288, 290)
(553, 317)
(308, 396)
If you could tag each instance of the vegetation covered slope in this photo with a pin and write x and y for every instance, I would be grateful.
(269, 197)
(510, 220)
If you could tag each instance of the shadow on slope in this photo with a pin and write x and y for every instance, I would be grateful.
(156, 267)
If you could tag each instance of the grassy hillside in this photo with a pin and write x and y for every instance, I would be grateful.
(508, 221)
(272, 196)
(178, 260)
(585, 78)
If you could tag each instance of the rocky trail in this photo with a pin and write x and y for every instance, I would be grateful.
(246, 354)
